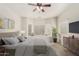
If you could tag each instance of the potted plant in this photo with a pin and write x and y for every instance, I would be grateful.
(54, 35)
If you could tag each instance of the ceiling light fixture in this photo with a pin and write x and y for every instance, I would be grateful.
(39, 6)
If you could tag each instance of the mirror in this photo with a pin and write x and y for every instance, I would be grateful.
(6, 23)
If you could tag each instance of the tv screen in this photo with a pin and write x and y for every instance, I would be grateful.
(74, 27)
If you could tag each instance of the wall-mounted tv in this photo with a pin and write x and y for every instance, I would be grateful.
(74, 27)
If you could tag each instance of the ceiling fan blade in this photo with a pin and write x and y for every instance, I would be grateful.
(32, 4)
(47, 5)
(39, 4)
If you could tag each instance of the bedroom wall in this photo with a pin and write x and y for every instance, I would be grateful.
(48, 24)
(71, 14)
(22, 24)
(38, 26)
(7, 13)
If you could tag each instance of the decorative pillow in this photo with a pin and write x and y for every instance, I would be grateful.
(21, 38)
(2, 42)
(11, 40)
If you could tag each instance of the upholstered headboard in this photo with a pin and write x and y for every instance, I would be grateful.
(9, 34)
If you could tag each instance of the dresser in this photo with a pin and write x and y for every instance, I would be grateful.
(72, 44)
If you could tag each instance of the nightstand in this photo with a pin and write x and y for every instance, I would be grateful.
(3, 51)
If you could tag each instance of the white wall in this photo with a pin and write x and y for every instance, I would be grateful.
(48, 23)
(7, 13)
(71, 14)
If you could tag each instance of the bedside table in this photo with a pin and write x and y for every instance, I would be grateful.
(3, 51)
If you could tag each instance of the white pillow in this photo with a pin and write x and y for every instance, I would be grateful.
(10, 40)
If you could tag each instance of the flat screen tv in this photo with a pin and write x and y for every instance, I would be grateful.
(74, 27)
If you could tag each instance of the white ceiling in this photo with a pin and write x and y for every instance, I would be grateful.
(25, 10)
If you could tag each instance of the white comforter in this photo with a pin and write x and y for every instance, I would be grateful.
(26, 48)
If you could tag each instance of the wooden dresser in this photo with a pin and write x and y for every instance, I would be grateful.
(72, 44)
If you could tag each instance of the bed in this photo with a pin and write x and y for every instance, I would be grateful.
(32, 46)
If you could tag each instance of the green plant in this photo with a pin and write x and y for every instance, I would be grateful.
(54, 33)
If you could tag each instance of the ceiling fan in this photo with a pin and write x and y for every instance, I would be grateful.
(39, 6)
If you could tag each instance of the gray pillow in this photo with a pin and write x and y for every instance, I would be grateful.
(10, 40)
(21, 38)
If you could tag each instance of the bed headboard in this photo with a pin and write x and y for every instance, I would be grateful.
(9, 34)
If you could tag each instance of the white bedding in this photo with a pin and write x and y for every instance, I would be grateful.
(26, 48)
